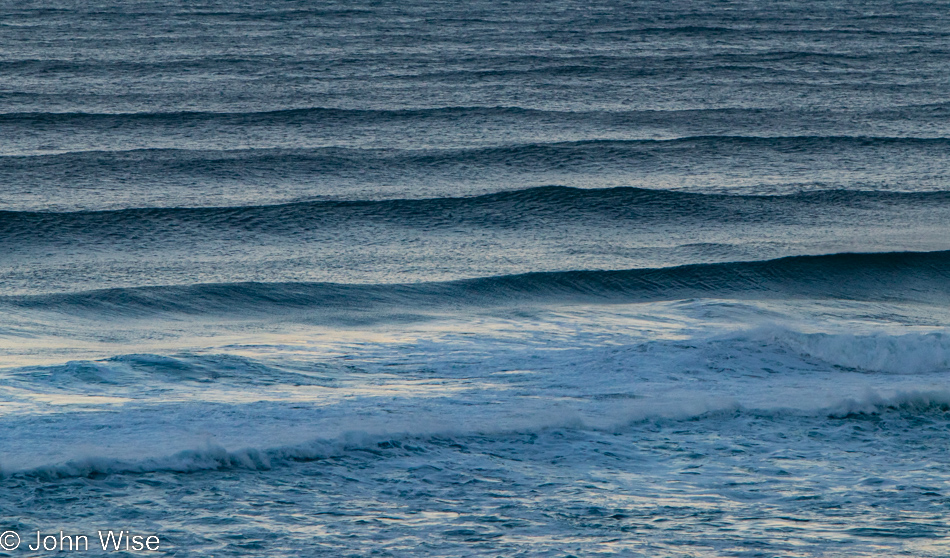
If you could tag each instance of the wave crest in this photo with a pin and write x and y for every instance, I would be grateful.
(893, 276)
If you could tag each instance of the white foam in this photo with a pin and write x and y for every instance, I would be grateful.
(909, 353)
(562, 371)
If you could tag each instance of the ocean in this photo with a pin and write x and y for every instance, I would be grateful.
(657, 279)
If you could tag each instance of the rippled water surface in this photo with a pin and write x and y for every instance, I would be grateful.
(500, 279)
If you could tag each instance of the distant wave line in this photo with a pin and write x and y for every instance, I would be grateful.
(464, 153)
(541, 198)
(445, 110)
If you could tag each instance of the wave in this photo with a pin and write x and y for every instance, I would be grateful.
(878, 354)
(140, 370)
(894, 276)
(501, 153)
(909, 353)
(620, 66)
(278, 115)
(46, 134)
(212, 457)
(508, 209)
(328, 168)
(376, 115)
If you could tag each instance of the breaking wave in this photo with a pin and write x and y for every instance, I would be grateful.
(935, 404)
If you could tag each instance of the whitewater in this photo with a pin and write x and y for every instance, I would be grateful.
(494, 279)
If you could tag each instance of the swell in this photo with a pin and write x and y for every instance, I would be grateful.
(267, 116)
(111, 120)
(894, 276)
(547, 206)
(794, 142)
(681, 153)
(543, 206)
(616, 65)
(315, 139)
(849, 161)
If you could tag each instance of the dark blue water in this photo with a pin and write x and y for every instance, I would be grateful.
(494, 278)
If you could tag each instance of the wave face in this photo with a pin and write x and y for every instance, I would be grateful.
(550, 206)
(165, 176)
(550, 229)
(910, 277)
(477, 279)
